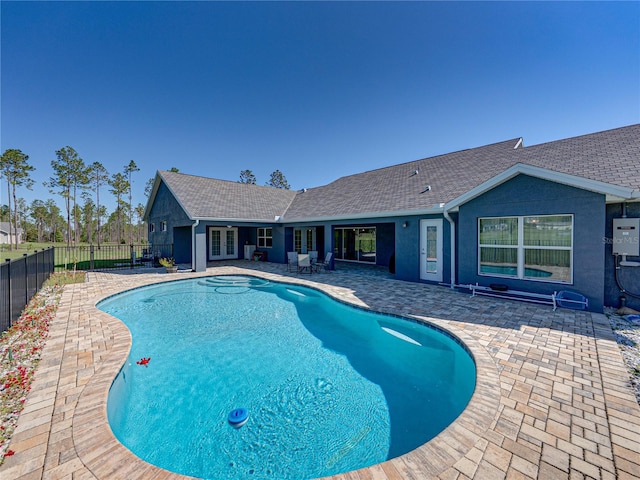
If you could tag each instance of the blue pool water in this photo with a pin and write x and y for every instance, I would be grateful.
(513, 271)
(328, 388)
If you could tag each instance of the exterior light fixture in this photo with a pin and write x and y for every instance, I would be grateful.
(404, 225)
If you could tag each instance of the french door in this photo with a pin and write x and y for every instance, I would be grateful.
(431, 250)
(304, 239)
(223, 243)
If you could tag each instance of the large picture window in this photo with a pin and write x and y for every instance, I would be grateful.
(527, 247)
(265, 237)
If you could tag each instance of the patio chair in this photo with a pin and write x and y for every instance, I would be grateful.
(292, 261)
(147, 256)
(304, 263)
(313, 255)
(326, 264)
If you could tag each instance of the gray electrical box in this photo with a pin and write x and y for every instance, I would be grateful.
(626, 236)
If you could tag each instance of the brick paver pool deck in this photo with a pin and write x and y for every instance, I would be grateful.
(553, 398)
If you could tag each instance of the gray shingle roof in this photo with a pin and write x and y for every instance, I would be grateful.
(203, 197)
(400, 188)
(612, 157)
(5, 226)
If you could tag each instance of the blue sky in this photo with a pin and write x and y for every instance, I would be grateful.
(317, 90)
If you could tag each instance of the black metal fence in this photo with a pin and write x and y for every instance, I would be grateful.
(20, 279)
(93, 257)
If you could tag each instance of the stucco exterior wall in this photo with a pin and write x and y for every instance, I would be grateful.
(407, 241)
(166, 208)
(629, 277)
(525, 195)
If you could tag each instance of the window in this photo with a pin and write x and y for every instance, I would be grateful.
(311, 233)
(297, 240)
(152, 227)
(163, 226)
(532, 248)
(265, 237)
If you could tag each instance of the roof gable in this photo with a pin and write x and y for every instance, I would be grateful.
(8, 228)
(210, 198)
(612, 192)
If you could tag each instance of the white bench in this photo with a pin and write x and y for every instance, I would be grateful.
(556, 299)
(514, 295)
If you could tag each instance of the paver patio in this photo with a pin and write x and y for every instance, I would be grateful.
(553, 398)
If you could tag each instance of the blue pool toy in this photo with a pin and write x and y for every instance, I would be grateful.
(238, 417)
(572, 300)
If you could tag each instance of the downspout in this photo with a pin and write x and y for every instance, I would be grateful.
(452, 227)
(193, 244)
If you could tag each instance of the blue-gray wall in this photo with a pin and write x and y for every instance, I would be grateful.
(525, 195)
(182, 243)
(407, 240)
(166, 208)
(629, 277)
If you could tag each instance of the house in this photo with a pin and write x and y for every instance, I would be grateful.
(557, 216)
(7, 234)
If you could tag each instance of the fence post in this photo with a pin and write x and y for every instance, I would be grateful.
(91, 257)
(26, 278)
(35, 252)
(8, 260)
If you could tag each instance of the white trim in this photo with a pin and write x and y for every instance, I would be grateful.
(223, 243)
(452, 246)
(193, 244)
(521, 248)
(614, 193)
(264, 237)
(435, 210)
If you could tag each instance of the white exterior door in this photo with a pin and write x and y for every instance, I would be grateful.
(223, 243)
(431, 250)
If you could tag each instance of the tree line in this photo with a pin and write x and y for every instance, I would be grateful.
(276, 180)
(80, 185)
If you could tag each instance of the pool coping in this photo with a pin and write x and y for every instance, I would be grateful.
(587, 430)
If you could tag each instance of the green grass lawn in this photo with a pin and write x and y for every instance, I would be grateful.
(105, 256)
(23, 248)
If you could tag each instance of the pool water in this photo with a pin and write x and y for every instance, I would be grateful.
(329, 388)
(513, 271)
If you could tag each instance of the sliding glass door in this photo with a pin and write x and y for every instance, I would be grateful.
(356, 244)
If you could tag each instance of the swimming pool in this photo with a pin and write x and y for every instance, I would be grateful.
(329, 388)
